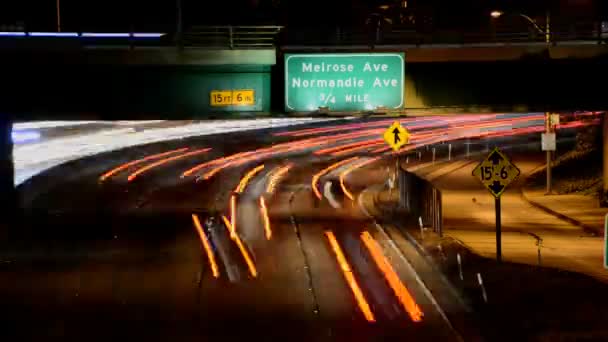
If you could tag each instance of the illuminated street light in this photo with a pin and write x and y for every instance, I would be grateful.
(496, 14)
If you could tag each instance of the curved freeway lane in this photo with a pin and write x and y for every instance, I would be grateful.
(252, 234)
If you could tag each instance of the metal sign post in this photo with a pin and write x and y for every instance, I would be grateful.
(606, 241)
(498, 230)
(496, 172)
(548, 144)
(396, 136)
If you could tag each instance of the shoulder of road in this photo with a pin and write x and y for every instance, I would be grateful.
(469, 232)
(570, 226)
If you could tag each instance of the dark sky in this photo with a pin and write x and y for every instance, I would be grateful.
(159, 15)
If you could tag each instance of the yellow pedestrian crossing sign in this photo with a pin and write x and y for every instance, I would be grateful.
(496, 172)
(396, 136)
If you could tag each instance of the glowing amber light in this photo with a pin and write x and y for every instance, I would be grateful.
(232, 216)
(206, 246)
(252, 270)
(164, 161)
(316, 177)
(265, 218)
(350, 278)
(138, 161)
(276, 177)
(401, 292)
(245, 180)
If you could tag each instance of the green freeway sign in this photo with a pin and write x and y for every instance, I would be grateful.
(344, 81)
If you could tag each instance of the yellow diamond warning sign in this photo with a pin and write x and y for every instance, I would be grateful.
(496, 172)
(396, 136)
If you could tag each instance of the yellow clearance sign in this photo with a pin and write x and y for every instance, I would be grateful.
(243, 97)
(496, 172)
(396, 136)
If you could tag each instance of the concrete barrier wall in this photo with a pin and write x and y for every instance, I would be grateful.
(420, 199)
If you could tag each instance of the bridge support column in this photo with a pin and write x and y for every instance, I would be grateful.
(8, 195)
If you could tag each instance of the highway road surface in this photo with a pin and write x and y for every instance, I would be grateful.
(252, 234)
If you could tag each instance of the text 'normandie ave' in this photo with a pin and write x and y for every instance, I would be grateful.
(345, 81)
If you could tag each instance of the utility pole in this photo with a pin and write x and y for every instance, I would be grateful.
(604, 195)
(547, 27)
(548, 131)
(179, 24)
(58, 4)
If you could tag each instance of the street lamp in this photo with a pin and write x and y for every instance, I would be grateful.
(497, 14)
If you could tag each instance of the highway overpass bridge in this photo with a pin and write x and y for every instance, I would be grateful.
(133, 75)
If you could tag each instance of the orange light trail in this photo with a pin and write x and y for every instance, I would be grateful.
(233, 216)
(350, 278)
(453, 124)
(252, 270)
(357, 148)
(381, 149)
(347, 146)
(138, 161)
(206, 245)
(276, 177)
(164, 161)
(401, 292)
(349, 170)
(315, 178)
(311, 131)
(244, 157)
(265, 218)
(213, 162)
(245, 180)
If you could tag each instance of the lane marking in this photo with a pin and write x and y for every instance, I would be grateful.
(206, 245)
(350, 278)
(164, 161)
(265, 218)
(318, 175)
(401, 292)
(138, 161)
(252, 270)
(245, 180)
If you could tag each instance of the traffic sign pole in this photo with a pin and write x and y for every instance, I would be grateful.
(606, 241)
(498, 230)
(496, 172)
(548, 130)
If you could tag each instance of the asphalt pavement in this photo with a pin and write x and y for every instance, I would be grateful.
(118, 245)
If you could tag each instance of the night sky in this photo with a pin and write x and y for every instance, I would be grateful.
(160, 15)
